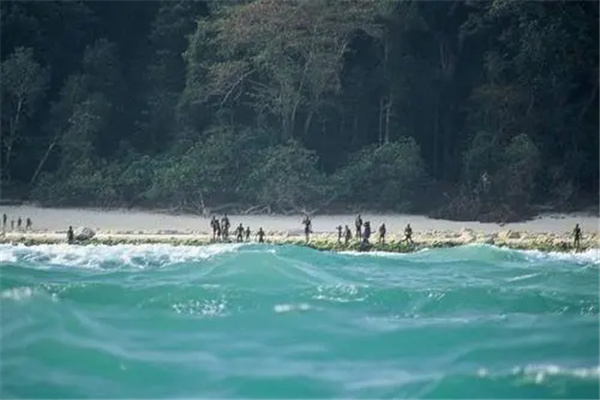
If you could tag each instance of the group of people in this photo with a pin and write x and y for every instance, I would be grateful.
(363, 231)
(220, 230)
(28, 224)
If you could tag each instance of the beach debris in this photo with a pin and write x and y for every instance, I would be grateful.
(509, 235)
(467, 235)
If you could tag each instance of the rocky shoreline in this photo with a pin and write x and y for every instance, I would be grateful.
(327, 241)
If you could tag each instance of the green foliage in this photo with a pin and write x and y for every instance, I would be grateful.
(286, 177)
(206, 96)
(521, 161)
(23, 85)
(391, 176)
(481, 156)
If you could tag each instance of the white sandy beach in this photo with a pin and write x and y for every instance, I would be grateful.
(132, 222)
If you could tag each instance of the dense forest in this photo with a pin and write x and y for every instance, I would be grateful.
(461, 109)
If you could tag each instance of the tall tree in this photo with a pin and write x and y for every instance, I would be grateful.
(24, 83)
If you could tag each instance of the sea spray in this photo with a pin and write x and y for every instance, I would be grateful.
(254, 321)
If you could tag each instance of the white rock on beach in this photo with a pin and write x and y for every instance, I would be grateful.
(83, 233)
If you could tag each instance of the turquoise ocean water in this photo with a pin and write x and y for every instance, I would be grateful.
(252, 321)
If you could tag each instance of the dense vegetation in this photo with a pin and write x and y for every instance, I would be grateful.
(464, 109)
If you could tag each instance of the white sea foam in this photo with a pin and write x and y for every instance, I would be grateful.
(522, 277)
(539, 372)
(96, 256)
(283, 308)
(590, 256)
(17, 294)
(205, 308)
(386, 254)
(340, 293)
(7, 257)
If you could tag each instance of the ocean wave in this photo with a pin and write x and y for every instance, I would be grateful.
(17, 294)
(541, 371)
(589, 256)
(23, 293)
(538, 373)
(138, 256)
(258, 321)
(143, 256)
(485, 251)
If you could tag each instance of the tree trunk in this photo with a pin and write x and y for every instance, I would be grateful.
(436, 139)
(380, 121)
(42, 162)
(11, 139)
(388, 113)
(355, 127)
(307, 123)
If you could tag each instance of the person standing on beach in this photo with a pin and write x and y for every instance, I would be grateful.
(70, 235)
(218, 228)
(261, 235)
(577, 237)
(347, 235)
(307, 227)
(19, 223)
(28, 224)
(213, 225)
(358, 224)
(4, 218)
(408, 234)
(382, 234)
(240, 233)
(367, 232)
(247, 233)
(339, 229)
(225, 227)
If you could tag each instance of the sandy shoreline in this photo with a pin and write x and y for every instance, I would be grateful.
(552, 231)
(55, 220)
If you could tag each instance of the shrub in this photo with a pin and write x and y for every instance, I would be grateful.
(391, 176)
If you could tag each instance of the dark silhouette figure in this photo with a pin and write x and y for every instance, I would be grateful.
(577, 237)
(225, 227)
(307, 227)
(19, 223)
(218, 229)
(365, 245)
(28, 224)
(339, 229)
(408, 234)
(367, 232)
(240, 233)
(214, 225)
(247, 233)
(347, 235)
(70, 235)
(261, 235)
(4, 218)
(382, 234)
(358, 224)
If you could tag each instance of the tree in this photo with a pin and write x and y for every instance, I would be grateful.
(392, 176)
(286, 178)
(279, 56)
(23, 86)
